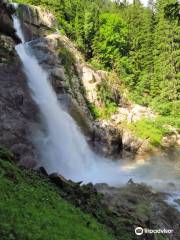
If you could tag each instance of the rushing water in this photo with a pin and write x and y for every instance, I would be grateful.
(64, 149)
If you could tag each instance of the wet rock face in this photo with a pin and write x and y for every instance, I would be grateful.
(17, 111)
(61, 67)
(75, 83)
(35, 22)
(74, 80)
(55, 57)
(6, 24)
(7, 49)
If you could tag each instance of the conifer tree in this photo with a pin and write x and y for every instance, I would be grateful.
(166, 77)
(140, 27)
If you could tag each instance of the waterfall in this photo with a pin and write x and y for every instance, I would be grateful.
(62, 146)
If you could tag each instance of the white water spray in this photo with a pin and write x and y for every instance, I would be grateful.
(64, 149)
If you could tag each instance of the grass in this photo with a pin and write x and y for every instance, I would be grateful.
(154, 131)
(31, 208)
(104, 112)
(107, 111)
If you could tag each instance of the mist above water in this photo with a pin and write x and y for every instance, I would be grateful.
(63, 147)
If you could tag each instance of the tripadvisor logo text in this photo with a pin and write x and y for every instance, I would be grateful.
(139, 231)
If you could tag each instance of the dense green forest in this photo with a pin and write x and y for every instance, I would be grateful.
(140, 45)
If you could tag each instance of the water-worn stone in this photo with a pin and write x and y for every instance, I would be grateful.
(43, 171)
(172, 139)
(59, 180)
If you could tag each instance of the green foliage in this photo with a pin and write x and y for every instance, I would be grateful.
(103, 112)
(167, 108)
(166, 82)
(67, 59)
(154, 131)
(5, 154)
(93, 109)
(95, 63)
(140, 25)
(141, 44)
(172, 11)
(31, 208)
(108, 99)
(106, 111)
(111, 41)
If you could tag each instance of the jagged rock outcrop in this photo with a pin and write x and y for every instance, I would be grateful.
(139, 205)
(60, 64)
(76, 84)
(55, 57)
(6, 26)
(122, 209)
(17, 111)
(35, 21)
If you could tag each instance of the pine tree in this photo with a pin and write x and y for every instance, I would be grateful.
(91, 25)
(146, 55)
(111, 40)
(140, 27)
(166, 79)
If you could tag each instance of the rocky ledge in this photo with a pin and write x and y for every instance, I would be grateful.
(122, 209)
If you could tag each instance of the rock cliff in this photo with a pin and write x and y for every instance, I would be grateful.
(17, 109)
(35, 21)
(77, 83)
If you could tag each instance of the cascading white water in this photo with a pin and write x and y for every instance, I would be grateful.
(64, 149)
